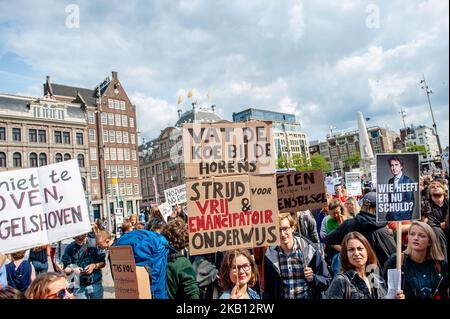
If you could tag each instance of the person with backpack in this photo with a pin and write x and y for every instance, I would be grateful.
(424, 270)
(181, 277)
(20, 272)
(150, 250)
(356, 279)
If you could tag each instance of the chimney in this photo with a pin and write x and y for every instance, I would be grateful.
(194, 104)
(48, 78)
(213, 108)
(114, 76)
(179, 113)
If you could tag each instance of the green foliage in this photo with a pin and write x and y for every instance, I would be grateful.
(353, 160)
(416, 148)
(319, 162)
(282, 162)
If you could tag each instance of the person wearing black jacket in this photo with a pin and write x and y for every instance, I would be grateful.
(438, 211)
(365, 222)
(295, 269)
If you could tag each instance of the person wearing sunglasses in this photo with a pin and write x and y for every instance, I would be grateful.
(50, 285)
(238, 273)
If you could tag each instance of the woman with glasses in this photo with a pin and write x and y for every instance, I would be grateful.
(424, 271)
(238, 273)
(50, 285)
(356, 279)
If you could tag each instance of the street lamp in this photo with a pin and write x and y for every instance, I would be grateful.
(425, 87)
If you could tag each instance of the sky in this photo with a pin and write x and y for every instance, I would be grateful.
(321, 60)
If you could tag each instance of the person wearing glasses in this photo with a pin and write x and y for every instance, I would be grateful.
(295, 269)
(438, 202)
(238, 273)
(86, 261)
(50, 285)
(424, 270)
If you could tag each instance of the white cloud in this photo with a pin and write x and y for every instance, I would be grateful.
(297, 20)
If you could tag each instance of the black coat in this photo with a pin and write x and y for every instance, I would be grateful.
(377, 235)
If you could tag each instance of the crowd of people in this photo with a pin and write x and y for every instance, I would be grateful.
(337, 252)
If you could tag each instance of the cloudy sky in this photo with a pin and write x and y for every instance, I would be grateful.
(322, 60)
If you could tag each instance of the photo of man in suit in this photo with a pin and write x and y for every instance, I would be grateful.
(396, 165)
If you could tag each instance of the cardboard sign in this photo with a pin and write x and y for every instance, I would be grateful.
(130, 281)
(298, 191)
(353, 183)
(39, 206)
(176, 195)
(166, 210)
(329, 183)
(398, 194)
(221, 149)
(232, 212)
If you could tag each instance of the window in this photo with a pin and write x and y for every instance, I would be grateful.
(112, 152)
(83, 180)
(67, 157)
(42, 136)
(92, 136)
(131, 122)
(80, 138)
(112, 136)
(129, 189)
(120, 154)
(118, 122)
(133, 139)
(110, 119)
(80, 158)
(105, 136)
(113, 171)
(119, 137)
(42, 159)
(135, 171)
(104, 118)
(125, 136)
(128, 171)
(106, 153)
(122, 105)
(121, 171)
(91, 117)
(126, 154)
(133, 155)
(2, 134)
(136, 189)
(32, 135)
(66, 137)
(33, 160)
(17, 160)
(111, 103)
(58, 157)
(108, 189)
(122, 189)
(2, 159)
(16, 136)
(116, 105)
(93, 154)
(94, 172)
(124, 121)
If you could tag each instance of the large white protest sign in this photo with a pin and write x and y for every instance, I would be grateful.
(41, 205)
(353, 183)
(176, 195)
(166, 210)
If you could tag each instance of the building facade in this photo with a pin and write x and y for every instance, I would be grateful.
(289, 140)
(423, 136)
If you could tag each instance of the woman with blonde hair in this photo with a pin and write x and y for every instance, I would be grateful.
(424, 270)
(51, 285)
(352, 206)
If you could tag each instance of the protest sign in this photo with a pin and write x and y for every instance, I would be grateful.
(130, 281)
(445, 162)
(232, 212)
(223, 148)
(373, 173)
(176, 195)
(398, 195)
(39, 206)
(353, 183)
(166, 210)
(329, 183)
(299, 191)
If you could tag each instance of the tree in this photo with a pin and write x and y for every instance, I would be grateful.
(416, 148)
(300, 163)
(353, 160)
(319, 162)
(282, 162)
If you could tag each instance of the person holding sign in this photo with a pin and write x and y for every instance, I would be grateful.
(85, 261)
(295, 269)
(396, 165)
(356, 281)
(424, 270)
(238, 273)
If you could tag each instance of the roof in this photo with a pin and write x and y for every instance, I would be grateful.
(198, 116)
(89, 96)
(14, 103)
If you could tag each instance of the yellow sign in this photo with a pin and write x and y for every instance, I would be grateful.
(114, 181)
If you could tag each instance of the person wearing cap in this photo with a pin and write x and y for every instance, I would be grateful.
(377, 233)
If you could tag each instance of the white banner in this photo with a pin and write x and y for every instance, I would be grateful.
(353, 183)
(166, 210)
(39, 206)
(176, 195)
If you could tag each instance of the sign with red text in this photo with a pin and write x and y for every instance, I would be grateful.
(220, 149)
(39, 206)
(232, 212)
(298, 191)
